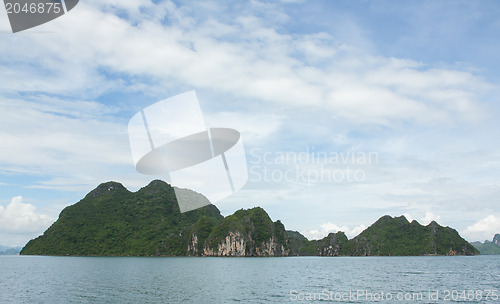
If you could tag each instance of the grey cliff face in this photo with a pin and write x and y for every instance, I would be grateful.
(236, 244)
(496, 239)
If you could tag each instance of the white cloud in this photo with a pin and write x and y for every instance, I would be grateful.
(429, 217)
(483, 229)
(20, 222)
(254, 61)
(408, 217)
(62, 138)
(18, 217)
(242, 56)
(424, 220)
(252, 127)
(162, 48)
(326, 228)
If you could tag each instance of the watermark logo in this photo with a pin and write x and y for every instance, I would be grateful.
(310, 166)
(25, 14)
(171, 138)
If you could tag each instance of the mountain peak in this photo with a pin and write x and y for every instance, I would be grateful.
(156, 186)
(402, 219)
(157, 183)
(108, 187)
(496, 239)
(384, 218)
(389, 219)
(433, 224)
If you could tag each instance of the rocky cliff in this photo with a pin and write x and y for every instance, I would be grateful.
(335, 244)
(245, 233)
(496, 239)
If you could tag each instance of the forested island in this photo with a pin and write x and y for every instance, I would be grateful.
(489, 247)
(112, 221)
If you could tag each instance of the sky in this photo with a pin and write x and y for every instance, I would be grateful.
(348, 110)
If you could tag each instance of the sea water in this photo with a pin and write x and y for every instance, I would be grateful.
(429, 279)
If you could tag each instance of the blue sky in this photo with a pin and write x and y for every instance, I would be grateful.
(414, 82)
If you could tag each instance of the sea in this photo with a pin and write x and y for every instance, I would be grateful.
(427, 279)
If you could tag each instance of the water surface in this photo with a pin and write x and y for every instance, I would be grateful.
(41, 279)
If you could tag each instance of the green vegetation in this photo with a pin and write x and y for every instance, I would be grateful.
(299, 245)
(488, 247)
(387, 237)
(112, 221)
(334, 244)
(254, 225)
(202, 230)
(396, 236)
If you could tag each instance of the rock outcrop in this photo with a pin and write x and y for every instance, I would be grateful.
(496, 239)
(245, 233)
(335, 244)
(233, 244)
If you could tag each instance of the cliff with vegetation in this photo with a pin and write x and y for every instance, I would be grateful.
(397, 236)
(489, 247)
(389, 236)
(244, 233)
(112, 221)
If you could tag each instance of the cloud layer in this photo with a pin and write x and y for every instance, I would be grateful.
(327, 228)
(19, 221)
(484, 229)
(287, 81)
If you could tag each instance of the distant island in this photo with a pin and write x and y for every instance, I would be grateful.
(4, 250)
(489, 247)
(112, 221)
